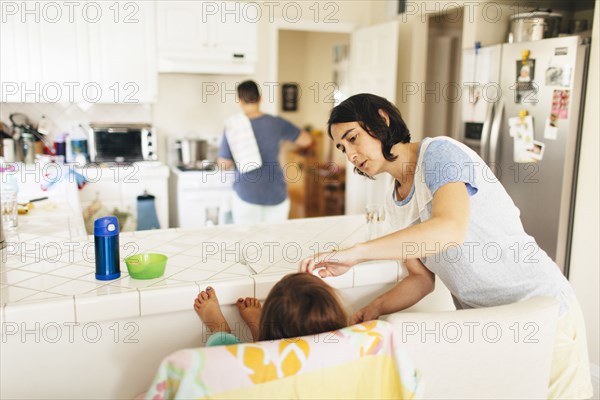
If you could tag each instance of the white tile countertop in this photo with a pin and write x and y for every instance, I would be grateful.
(48, 269)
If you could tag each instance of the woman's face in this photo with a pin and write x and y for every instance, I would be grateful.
(362, 149)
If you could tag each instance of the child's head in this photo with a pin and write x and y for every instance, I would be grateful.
(300, 304)
(366, 109)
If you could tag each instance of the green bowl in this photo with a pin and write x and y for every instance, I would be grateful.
(146, 265)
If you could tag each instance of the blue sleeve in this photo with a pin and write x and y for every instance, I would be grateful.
(224, 150)
(221, 339)
(289, 131)
(445, 162)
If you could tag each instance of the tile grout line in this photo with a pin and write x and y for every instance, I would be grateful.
(75, 309)
(69, 280)
(139, 293)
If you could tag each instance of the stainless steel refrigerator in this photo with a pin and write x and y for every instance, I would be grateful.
(544, 80)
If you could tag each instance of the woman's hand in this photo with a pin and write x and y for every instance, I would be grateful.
(332, 263)
(368, 313)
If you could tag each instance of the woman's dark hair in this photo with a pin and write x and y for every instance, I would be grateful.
(248, 92)
(364, 109)
(300, 304)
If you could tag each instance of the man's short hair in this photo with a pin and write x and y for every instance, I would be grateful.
(248, 92)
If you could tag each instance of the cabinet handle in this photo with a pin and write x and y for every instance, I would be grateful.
(238, 55)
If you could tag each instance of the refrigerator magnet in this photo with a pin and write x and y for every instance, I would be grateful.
(522, 139)
(566, 75)
(525, 74)
(521, 153)
(513, 125)
(537, 152)
(560, 103)
(551, 128)
(554, 76)
(525, 132)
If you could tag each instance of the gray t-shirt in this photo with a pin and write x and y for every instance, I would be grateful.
(498, 263)
(265, 185)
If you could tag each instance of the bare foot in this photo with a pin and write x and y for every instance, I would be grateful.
(250, 310)
(208, 309)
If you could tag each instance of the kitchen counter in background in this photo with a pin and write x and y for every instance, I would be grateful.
(199, 198)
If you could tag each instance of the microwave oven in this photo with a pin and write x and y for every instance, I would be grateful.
(122, 143)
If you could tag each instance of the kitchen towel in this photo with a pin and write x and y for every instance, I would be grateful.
(242, 143)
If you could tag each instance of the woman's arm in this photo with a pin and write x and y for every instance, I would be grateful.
(447, 227)
(418, 284)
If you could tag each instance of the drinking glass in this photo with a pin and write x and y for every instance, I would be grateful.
(8, 207)
(375, 220)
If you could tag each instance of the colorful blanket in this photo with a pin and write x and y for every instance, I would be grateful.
(360, 361)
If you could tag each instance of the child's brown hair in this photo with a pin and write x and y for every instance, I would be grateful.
(300, 304)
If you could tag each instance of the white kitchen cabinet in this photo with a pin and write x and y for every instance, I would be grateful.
(43, 61)
(123, 52)
(94, 52)
(203, 37)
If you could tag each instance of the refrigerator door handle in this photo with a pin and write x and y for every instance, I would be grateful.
(495, 132)
(485, 133)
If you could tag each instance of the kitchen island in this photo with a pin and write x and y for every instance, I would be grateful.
(67, 335)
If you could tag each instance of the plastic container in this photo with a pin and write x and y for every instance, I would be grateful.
(77, 146)
(60, 145)
(106, 245)
(9, 188)
(146, 265)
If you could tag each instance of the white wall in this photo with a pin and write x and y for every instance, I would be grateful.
(293, 51)
(306, 58)
(585, 259)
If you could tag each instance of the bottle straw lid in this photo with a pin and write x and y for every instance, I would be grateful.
(106, 226)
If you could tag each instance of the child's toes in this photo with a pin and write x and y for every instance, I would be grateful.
(210, 292)
(240, 304)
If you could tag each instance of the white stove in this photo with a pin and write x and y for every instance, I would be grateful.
(200, 198)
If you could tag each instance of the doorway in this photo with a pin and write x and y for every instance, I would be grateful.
(442, 89)
(312, 62)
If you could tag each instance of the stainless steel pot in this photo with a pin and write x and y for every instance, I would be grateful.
(191, 152)
(534, 25)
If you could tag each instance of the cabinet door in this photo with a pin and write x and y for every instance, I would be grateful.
(63, 58)
(181, 29)
(44, 60)
(203, 37)
(14, 65)
(123, 52)
(235, 39)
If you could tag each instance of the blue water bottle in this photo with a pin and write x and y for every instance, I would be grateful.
(106, 241)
